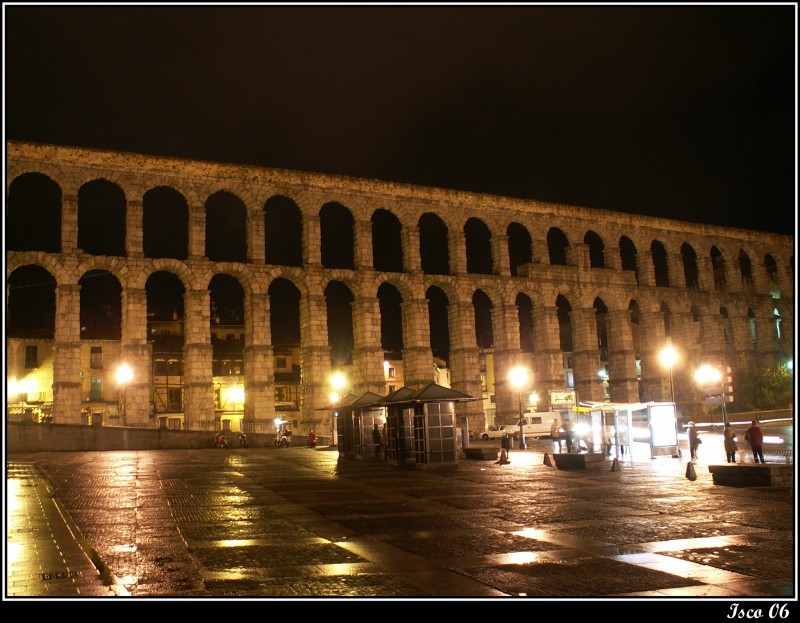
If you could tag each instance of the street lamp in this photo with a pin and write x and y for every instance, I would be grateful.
(338, 381)
(668, 356)
(519, 379)
(710, 378)
(123, 376)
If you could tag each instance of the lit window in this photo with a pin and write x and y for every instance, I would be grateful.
(96, 389)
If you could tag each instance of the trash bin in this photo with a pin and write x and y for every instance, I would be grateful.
(506, 442)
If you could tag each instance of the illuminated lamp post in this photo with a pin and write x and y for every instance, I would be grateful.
(668, 357)
(338, 381)
(519, 380)
(123, 376)
(710, 378)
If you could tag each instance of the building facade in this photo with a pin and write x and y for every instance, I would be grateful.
(584, 298)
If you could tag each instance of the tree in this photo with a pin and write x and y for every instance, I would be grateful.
(765, 389)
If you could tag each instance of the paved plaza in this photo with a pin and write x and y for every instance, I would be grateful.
(305, 524)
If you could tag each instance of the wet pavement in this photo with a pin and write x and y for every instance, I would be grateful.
(306, 524)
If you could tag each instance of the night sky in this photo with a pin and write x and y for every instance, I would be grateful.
(686, 112)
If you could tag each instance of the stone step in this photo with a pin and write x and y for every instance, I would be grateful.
(752, 475)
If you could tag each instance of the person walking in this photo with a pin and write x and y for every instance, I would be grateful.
(729, 439)
(385, 440)
(694, 441)
(755, 437)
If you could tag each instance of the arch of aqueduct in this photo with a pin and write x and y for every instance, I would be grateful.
(725, 316)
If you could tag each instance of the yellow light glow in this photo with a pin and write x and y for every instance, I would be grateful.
(338, 381)
(24, 386)
(533, 398)
(668, 356)
(16, 518)
(334, 397)
(124, 374)
(236, 393)
(707, 374)
(518, 377)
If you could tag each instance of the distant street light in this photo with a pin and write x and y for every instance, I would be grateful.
(668, 357)
(711, 380)
(123, 376)
(338, 381)
(519, 379)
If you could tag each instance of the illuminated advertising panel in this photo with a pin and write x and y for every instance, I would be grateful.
(663, 426)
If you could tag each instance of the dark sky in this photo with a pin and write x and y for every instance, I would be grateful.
(687, 112)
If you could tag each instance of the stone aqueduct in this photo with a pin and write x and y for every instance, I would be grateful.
(724, 315)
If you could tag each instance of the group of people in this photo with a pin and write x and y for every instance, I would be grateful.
(565, 431)
(754, 436)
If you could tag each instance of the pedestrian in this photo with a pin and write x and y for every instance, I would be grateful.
(312, 439)
(568, 434)
(729, 438)
(755, 437)
(385, 440)
(555, 433)
(377, 440)
(694, 441)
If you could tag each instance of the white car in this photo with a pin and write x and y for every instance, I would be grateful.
(497, 432)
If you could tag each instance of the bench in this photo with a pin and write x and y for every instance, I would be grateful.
(481, 453)
(579, 460)
(752, 475)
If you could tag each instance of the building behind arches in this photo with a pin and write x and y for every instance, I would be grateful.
(235, 292)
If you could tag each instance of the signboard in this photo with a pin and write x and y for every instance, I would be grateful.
(718, 400)
(561, 400)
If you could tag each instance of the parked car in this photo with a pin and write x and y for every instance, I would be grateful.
(497, 432)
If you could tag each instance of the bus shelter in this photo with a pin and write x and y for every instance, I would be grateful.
(615, 427)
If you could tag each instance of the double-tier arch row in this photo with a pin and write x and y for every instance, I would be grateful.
(585, 298)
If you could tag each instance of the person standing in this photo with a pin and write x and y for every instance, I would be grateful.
(729, 439)
(694, 441)
(555, 433)
(568, 434)
(377, 440)
(755, 437)
(385, 440)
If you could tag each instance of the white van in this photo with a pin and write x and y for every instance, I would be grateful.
(539, 424)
